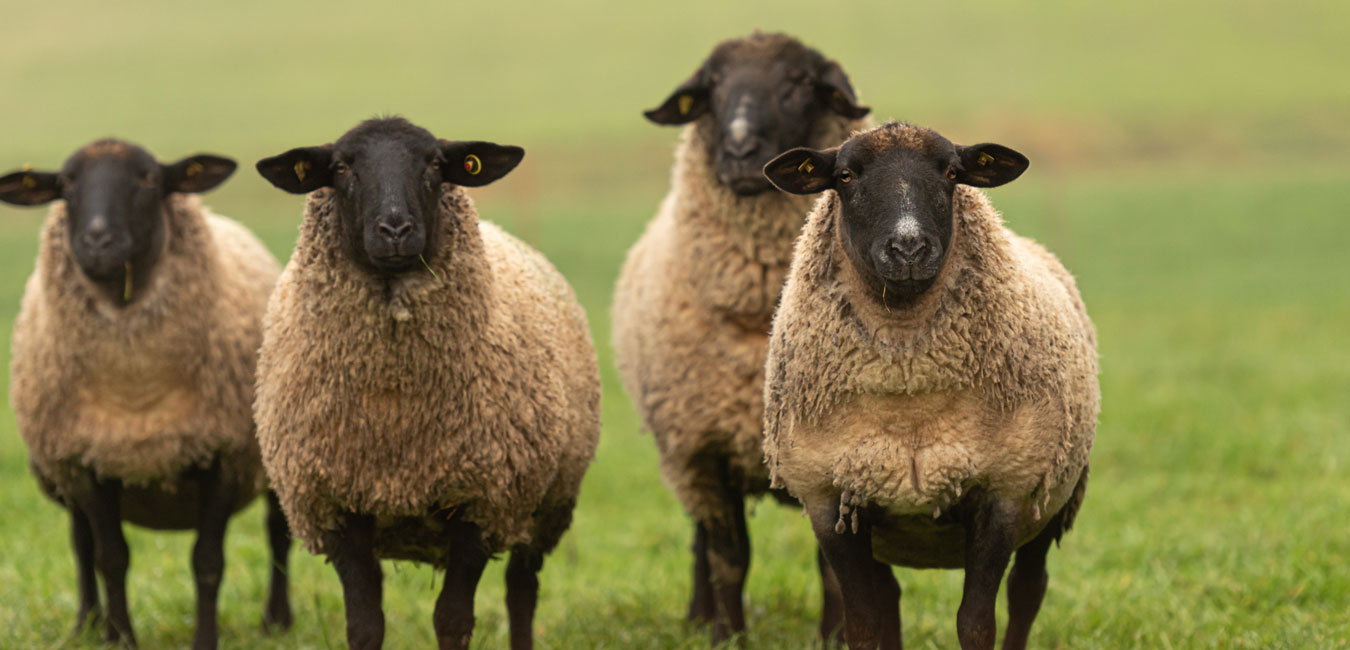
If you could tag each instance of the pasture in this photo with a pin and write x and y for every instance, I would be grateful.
(1189, 166)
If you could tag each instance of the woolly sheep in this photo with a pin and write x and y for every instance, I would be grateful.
(932, 380)
(696, 294)
(427, 386)
(133, 361)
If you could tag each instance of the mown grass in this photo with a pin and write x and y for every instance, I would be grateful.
(1188, 166)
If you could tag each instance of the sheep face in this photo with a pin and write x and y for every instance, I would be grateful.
(895, 186)
(114, 193)
(759, 96)
(387, 176)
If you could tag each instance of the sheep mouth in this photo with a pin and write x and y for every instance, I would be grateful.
(394, 263)
(745, 184)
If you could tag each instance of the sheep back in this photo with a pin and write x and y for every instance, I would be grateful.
(470, 393)
(145, 391)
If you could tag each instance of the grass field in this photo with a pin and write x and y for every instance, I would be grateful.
(1189, 166)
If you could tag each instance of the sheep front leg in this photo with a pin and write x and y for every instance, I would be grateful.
(82, 541)
(208, 554)
(277, 613)
(729, 561)
(453, 617)
(832, 604)
(849, 554)
(702, 607)
(352, 552)
(101, 502)
(989, 546)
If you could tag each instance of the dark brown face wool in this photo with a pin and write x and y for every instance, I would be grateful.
(467, 388)
(144, 390)
(988, 379)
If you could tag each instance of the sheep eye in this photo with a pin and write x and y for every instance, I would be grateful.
(436, 165)
(951, 172)
(846, 176)
(340, 167)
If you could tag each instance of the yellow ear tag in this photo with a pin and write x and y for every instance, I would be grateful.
(686, 104)
(472, 165)
(29, 182)
(806, 167)
(28, 167)
(194, 168)
(300, 167)
(985, 159)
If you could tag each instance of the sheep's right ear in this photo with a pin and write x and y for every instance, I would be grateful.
(690, 100)
(474, 163)
(30, 188)
(300, 171)
(802, 170)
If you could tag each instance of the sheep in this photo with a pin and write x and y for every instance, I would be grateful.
(132, 368)
(693, 303)
(427, 385)
(931, 392)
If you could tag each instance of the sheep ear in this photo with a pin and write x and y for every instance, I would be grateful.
(473, 164)
(834, 90)
(802, 170)
(199, 173)
(301, 170)
(989, 165)
(26, 187)
(688, 102)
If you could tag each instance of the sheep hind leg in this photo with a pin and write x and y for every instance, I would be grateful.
(277, 613)
(352, 552)
(1026, 586)
(729, 561)
(888, 594)
(208, 554)
(989, 546)
(702, 606)
(522, 593)
(453, 617)
(82, 541)
(832, 604)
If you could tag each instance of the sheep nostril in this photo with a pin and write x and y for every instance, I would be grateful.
(98, 240)
(909, 250)
(394, 232)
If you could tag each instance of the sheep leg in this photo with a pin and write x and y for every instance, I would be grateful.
(352, 552)
(989, 546)
(702, 607)
(888, 599)
(208, 554)
(277, 613)
(101, 502)
(849, 554)
(832, 604)
(729, 561)
(522, 593)
(1026, 586)
(82, 540)
(453, 617)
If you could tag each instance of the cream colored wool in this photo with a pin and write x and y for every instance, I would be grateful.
(990, 380)
(473, 391)
(144, 391)
(691, 316)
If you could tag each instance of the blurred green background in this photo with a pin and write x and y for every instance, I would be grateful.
(1189, 165)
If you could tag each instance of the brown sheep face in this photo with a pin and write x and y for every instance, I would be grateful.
(895, 186)
(388, 176)
(114, 193)
(761, 95)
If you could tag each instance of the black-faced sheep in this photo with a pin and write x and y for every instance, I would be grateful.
(427, 386)
(932, 390)
(696, 295)
(133, 367)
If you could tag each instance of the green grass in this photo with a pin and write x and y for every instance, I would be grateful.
(1188, 166)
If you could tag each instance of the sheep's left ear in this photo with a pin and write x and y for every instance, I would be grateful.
(689, 101)
(989, 165)
(473, 164)
(26, 187)
(834, 90)
(802, 170)
(198, 173)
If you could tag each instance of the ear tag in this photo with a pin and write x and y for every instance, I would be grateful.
(193, 169)
(984, 159)
(686, 104)
(300, 167)
(29, 182)
(28, 167)
(472, 165)
(839, 97)
(806, 167)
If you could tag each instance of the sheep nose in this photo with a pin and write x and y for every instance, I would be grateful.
(96, 235)
(908, 249)
(394, 231)
(741, 149)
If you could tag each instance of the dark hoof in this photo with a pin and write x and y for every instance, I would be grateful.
(89, 619)
(277, 617)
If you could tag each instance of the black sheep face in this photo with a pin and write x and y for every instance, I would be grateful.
(115, 193)
(896, 185)
(388, 176)
(763, 95)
